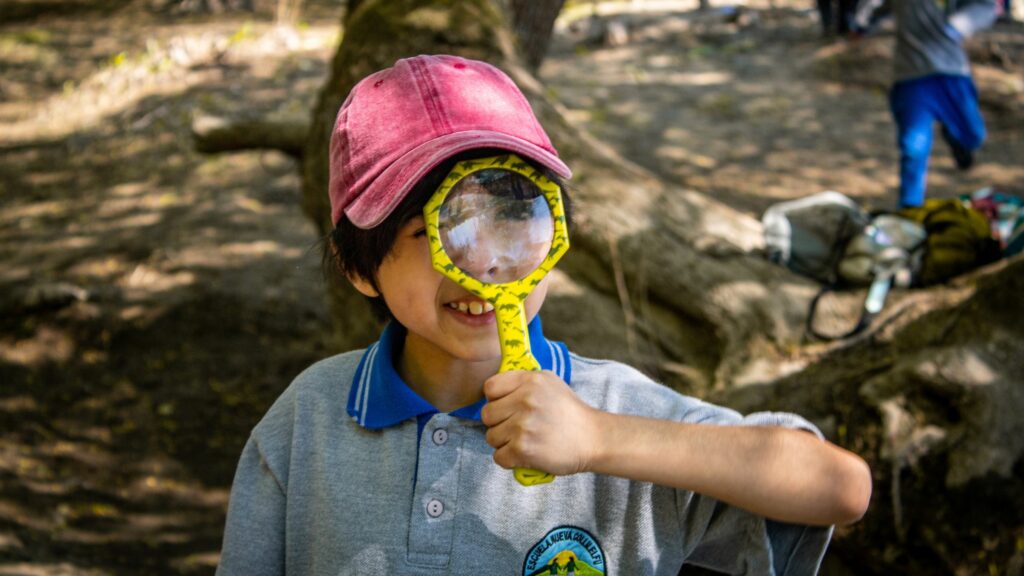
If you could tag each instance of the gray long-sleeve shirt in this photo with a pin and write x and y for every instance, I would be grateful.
(318, 492)
(929, 33)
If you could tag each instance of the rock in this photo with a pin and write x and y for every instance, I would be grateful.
(46, 296)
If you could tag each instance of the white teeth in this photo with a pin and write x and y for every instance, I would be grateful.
(476, 308)
(488, 306)
(463, 307)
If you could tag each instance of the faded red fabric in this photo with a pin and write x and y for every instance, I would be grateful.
(398, 124)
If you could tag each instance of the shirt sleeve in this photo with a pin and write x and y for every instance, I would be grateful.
(973, 16)
(735, 541)
(863, 12)
(730, 540)
(254, 532)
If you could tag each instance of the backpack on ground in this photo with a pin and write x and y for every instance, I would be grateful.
(888, 252)
(829, 238)
(1005, 213)
(889, 245)
(959, 239)
(808, 235)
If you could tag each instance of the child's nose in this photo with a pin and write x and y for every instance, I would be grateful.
(490, 269)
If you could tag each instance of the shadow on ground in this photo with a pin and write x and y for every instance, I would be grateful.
(154, 301)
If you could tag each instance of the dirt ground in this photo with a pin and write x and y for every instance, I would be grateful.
(766, 109)
(154, 301)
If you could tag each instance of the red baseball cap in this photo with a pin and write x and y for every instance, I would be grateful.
(398, 124)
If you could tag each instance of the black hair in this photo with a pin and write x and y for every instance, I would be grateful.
(358, 253)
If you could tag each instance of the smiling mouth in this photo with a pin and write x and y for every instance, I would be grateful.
(474, 308)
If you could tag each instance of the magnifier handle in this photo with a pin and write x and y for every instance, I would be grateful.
(516, 355)
(530, 476)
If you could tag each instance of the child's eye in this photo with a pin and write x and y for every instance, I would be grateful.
(420, 233)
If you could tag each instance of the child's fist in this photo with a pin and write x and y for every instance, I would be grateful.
(535, 420)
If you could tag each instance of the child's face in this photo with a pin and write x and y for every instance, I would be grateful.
(427, 304)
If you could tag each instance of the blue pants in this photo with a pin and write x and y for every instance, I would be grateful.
(916, 105)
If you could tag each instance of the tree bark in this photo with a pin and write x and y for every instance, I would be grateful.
(533, 22)
(674, 283)
(932, 398)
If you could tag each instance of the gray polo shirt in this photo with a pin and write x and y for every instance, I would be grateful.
(930, 33)
(330, 483)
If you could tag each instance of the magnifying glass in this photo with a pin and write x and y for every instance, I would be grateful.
(496, 226)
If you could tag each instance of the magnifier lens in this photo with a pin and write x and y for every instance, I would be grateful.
(496, 226)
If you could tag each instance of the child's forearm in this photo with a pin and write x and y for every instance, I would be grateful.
(783, 474)
(787, 475)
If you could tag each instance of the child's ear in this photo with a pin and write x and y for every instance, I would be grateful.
(364, 286)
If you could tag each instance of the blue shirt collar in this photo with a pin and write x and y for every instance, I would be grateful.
(379, 398)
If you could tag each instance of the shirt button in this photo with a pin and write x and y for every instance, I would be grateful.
(440, 436)
(435, 508)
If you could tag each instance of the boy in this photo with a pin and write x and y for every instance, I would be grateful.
(394, 459)
(932, 83)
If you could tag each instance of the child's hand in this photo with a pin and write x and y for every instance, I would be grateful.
(535, 421)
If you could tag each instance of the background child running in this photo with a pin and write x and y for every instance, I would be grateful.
(395, 458)
(932, 82)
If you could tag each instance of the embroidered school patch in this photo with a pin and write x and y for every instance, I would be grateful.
(565, 550)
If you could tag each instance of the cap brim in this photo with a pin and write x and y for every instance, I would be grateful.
(389, 189)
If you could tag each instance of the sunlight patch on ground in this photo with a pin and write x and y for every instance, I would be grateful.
(706, 78)
(577, 10)
(17, 214)
(736, 230)
(204, 561)
(15, 404)
(152, 280)
(961, 365)
(138, 221)
(129, 189)
(121, 83)
(770, 106)
(682, 154)
(46, 345)
(62, 569)
(100, 267)
(234, 253)
(731, 293)
(764, 371)
(156, 485)
(84, 453)
(998, 172)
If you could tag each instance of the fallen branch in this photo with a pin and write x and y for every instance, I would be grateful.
(213, 134)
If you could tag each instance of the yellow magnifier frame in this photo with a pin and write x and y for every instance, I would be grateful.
(507, 298)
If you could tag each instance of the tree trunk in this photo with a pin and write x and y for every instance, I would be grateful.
(533, 21)
(673, 283)
(288, 12)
